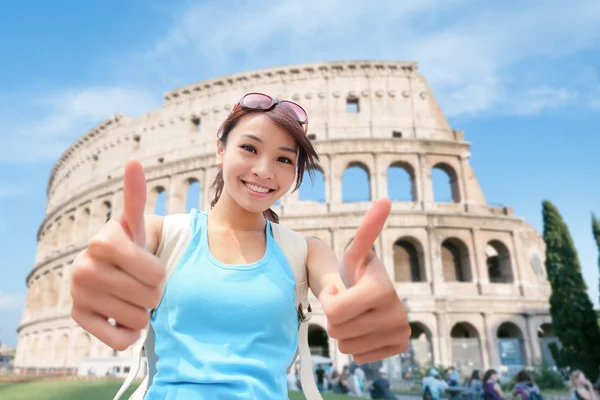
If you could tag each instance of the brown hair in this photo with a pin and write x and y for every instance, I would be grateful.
(307, 155)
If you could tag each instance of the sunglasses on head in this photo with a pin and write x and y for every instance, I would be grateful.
(264, 102)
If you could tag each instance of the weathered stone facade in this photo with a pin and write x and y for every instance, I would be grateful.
(469, 273)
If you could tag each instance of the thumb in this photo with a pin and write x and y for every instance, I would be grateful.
(327, 293)
(134, 197)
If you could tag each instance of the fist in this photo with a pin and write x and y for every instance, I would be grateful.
(368, 319)
(115, 280)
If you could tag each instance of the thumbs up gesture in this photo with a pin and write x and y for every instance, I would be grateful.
(115, 279)
(367, 318)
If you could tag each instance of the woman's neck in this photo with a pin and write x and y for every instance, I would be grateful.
(229, 215)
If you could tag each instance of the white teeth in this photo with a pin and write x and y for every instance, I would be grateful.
(257, 188)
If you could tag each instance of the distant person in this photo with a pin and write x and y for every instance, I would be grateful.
(526, 387)
(491, 388)
(581, 388)
(474, 385)
(380, 388)
(320, 373)
(433, 385)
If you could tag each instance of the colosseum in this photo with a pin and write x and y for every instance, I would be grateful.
(471, 275)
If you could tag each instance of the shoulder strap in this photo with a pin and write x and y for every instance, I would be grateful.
(176, 233)
(295, 248)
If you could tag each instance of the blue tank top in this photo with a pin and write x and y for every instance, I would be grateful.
(225, 331)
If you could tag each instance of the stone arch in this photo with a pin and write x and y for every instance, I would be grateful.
(318, 340)
(312, 189)
(498, 262)
(511, 345)
(81, 349)
(52, 287)
(46, 351)
(106, 211)
(61, 354)
(193, 196)
(401, 182)
(456, 264)
(33, 351)
(82, 224)
(420, 350)
(546, 337)
(356, 183)
(440, 174)
(466, 347)
(67, 234)
(409, 265)
(158, 200)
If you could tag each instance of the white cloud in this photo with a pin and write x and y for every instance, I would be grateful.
(55, 120)
(11, 302)
(474, 55)
(10, 191)
(479, 58)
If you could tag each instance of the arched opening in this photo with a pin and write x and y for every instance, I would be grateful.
(420, 351)
(312, 189)
(82, 347)
(318, 341)
(456, 264)
(160, 202)
(32, 352)
(107, 210)
(546, 337)
(356, 185)
(511, 348)
(498, 262)
(401, 182)
(408, 261)
(466, 348)
(62, 351)
(192, 197)
(445, 184)
(48, 360)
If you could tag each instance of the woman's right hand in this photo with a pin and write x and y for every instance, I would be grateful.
(115, 277)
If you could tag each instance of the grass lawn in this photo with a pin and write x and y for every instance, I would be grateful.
(85, 390)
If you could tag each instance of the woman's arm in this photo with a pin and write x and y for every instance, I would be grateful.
(584, 394)
(498, 389)
(323, 266)
(153, 225)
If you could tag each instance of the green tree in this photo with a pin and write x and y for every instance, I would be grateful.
(596, 232)
(573, 316)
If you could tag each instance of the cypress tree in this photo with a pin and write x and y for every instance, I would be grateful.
(573, 316)
(596, 232)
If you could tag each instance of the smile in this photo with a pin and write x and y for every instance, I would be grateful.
(258, 189)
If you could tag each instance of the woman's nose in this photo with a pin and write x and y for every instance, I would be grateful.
(263, 170)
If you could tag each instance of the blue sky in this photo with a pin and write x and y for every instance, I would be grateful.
(522, 81)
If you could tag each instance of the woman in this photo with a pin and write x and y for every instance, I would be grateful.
(474, 385)
(491, 388)
(526, 387)
(226, 325)
(581, 388)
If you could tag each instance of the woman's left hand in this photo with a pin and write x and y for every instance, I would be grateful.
(368, 319)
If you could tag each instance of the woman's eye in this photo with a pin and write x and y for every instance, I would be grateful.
(285, 160)
(249, 148)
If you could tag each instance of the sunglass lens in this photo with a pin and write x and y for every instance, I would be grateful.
(296, 110)
(257, 101)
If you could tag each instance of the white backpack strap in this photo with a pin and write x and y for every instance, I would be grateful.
(295, 248)
(176, 233)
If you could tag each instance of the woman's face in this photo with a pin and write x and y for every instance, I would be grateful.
(494, 378)
(580, 379)
(259, 162)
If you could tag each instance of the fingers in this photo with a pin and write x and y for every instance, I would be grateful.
(117, 337)
(374, 341)
(126, 314)
(112, 246)
(134, 193)
(359, 253)
(114, 281)
(374, 291)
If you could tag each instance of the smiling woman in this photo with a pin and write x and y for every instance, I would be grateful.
(261, 155)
